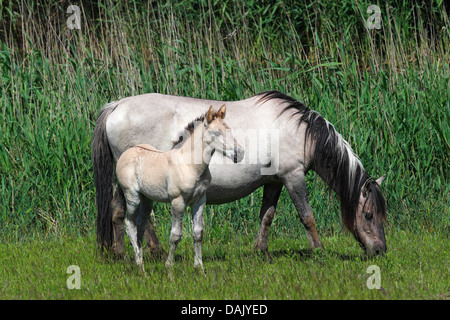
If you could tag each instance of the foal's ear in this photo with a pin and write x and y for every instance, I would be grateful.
(222, 111)
(210, 114)
(380, 179)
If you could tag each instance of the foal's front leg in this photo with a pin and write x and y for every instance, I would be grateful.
(197, 228)
(178, 206)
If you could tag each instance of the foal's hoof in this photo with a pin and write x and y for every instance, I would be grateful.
(169, 268)
(142, 270)
(169, 265)
(199, 269)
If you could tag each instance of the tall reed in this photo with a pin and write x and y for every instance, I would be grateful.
(386, 90)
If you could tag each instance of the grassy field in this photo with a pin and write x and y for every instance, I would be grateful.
(387, 91)
(38, 270)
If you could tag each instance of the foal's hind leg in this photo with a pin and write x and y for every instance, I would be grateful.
(178, 207)
(269, 203)
(134, 226)
(296, 185)
(197, 230)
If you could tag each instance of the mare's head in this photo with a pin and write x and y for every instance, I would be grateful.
(370, 213)
(218, 135)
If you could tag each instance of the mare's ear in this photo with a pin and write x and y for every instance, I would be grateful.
(222, 111)
(209, 114)
(380, 179)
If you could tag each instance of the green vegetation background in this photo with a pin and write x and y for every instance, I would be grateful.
(386, 90)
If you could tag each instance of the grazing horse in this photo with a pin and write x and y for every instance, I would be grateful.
(283, 139)
(180, 176)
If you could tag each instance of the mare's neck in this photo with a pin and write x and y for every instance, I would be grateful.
(327, 174)
(339, 167)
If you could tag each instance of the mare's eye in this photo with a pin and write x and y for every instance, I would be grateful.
(368, 215)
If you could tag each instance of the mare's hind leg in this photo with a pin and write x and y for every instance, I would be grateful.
(296, 185)
(118, 210)
(267, 213)
(150, 235)
(178, 207)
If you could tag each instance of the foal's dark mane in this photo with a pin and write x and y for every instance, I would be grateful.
(190, 128)
(333, 158)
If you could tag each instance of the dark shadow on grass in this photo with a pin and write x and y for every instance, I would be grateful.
(222, 256)
(155, 256)
(303, 254)
(308, 254)
(295, 254)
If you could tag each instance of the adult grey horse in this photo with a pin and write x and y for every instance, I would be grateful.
(282, 138)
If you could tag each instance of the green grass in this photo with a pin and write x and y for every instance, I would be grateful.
(37, 270)
(387, 92)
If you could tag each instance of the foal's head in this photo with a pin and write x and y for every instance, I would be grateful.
(218, 135)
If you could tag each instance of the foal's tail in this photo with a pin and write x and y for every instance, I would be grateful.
(103, 163)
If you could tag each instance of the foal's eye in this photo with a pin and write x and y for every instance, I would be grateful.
(368, 215)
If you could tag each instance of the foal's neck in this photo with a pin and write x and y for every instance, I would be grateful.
(196, 152)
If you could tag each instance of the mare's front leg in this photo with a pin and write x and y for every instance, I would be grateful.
(197, 228)
(178, 207)
(295, 183)
(271, 195)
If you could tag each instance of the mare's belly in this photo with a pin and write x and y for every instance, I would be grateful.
(231, 182)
